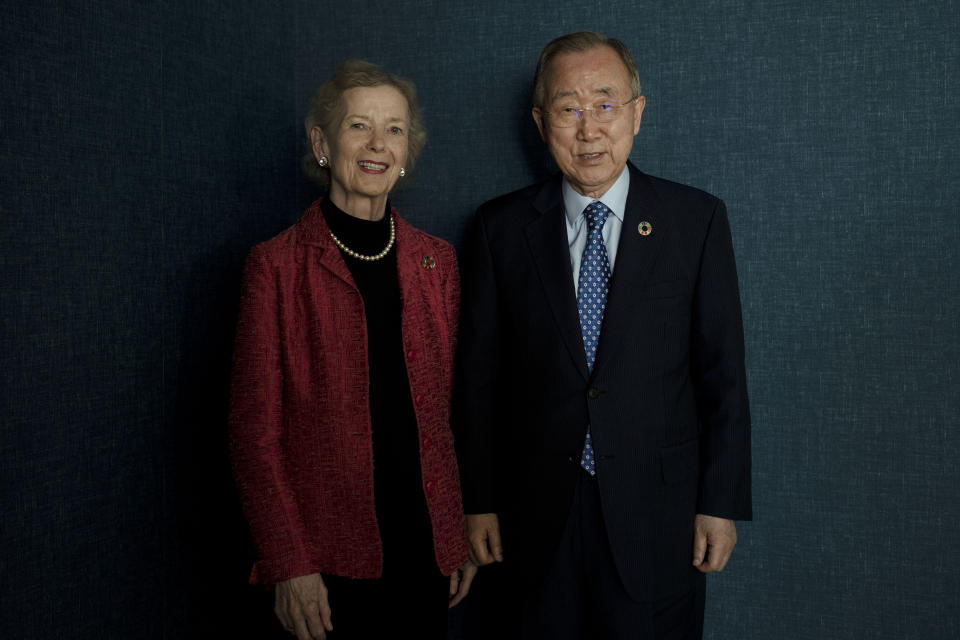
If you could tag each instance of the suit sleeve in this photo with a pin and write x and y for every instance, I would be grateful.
(256, 424)
(475, 391)
(720, 376)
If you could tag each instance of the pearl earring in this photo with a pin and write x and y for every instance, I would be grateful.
(322, 161)
(403, 172)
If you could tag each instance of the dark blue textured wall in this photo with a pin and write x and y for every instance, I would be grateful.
(145, 148)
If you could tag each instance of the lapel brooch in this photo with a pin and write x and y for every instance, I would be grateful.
(428, 262)
(644, 228)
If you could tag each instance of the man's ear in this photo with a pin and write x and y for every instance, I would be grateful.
(638, 113)
(538, 118)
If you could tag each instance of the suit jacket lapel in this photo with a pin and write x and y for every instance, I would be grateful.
(547, 241)
(313, 231)
(636, 254)
(412, 275)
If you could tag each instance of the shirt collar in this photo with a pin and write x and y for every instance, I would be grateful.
(615, 199)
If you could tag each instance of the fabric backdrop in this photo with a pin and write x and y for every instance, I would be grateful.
(147, 146)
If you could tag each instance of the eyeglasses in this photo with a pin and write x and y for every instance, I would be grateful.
(602, 112)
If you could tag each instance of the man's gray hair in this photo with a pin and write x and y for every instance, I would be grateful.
(579, 42)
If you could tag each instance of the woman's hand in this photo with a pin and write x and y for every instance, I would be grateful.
(460, 581)
(302, 606)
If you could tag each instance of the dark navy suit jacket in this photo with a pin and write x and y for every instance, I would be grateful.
(666, 400)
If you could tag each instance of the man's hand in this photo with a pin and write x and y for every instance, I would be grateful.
(460, 581)
(713, 542)
(301, 604)
(483, 538)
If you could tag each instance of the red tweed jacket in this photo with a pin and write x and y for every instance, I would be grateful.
(300, 433)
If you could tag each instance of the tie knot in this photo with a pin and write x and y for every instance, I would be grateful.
(596, 214)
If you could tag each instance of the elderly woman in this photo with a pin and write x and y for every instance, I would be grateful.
(342, 377)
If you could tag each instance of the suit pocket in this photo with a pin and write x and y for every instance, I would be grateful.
(680, 462)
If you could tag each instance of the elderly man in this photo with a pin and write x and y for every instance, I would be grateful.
(602, 417)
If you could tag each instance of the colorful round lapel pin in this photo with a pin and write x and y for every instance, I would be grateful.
(644, 228)
(428, 262)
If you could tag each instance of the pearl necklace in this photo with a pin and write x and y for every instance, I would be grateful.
(359, 256)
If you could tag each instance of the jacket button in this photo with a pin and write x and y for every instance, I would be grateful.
(593, 393)
(418, 400)
(426, 443)
(429, 487)
(410, 355)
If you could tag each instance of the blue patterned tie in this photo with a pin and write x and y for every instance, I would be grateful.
(592, 299)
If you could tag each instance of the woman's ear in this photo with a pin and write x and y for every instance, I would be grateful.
(319, 144)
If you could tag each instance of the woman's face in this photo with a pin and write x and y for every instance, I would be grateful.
(368, 148)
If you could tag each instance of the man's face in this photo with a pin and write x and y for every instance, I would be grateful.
(590, 154)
